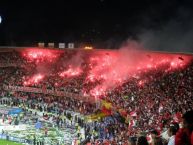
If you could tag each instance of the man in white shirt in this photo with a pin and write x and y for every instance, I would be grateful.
(172, 132)
(172, 140)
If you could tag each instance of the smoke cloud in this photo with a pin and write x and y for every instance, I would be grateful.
(176, 35)
(120, 65)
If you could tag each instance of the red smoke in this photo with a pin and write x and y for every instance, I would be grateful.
(118, 66)
(40, 55)
(106, 69)
(34, 79)
(71, 72)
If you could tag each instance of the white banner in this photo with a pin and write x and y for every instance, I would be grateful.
(13, 127)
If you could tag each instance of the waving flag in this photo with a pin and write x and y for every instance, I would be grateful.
(132, 123)
(106, 104)
(133, 113)
(38, 125)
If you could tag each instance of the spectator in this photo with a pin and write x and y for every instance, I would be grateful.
(132, 140)
(185, 135)
(157, 141)
(142, 141)
(172, 132)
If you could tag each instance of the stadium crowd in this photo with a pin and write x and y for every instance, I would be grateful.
(139, 112)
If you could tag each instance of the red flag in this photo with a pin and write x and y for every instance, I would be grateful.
(133, 113)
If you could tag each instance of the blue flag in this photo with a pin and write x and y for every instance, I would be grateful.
(38, 125)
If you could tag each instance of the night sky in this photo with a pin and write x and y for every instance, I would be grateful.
(158, 24)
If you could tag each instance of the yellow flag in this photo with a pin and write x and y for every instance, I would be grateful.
(106, 104)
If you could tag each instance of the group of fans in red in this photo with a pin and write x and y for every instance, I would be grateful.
(159, 111)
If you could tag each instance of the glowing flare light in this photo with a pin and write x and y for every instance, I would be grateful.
(40, 55)
(34, 80)
(114, 69)
(71, 72)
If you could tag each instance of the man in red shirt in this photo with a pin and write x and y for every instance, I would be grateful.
(185, 135)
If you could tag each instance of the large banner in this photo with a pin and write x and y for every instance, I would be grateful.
(11, 64)
(38, 90)
(15, 111)
(45, 91)
(13, 127)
